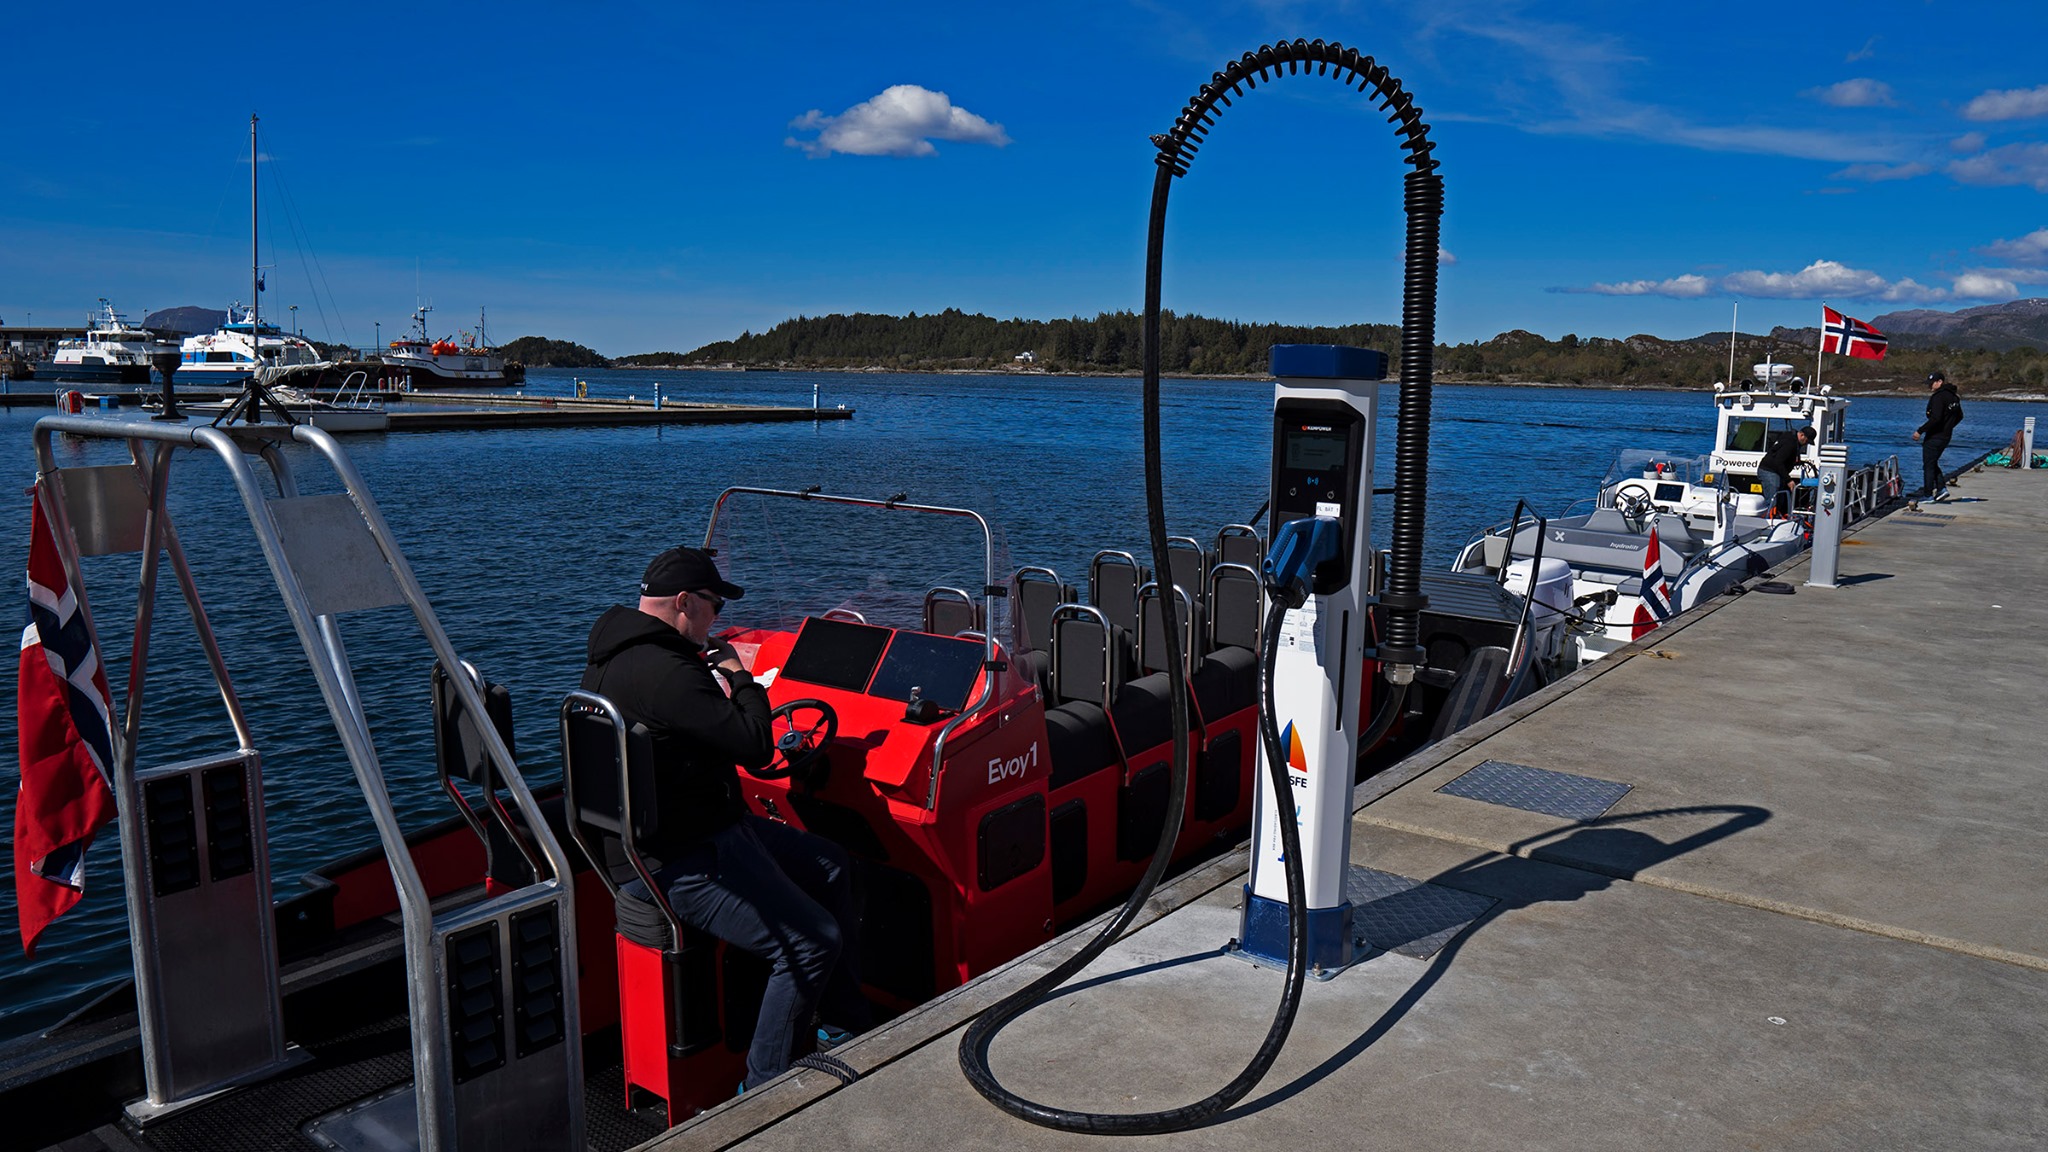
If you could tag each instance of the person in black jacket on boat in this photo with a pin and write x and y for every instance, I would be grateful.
(1777, 464)
(781, 894)
(1944, 412)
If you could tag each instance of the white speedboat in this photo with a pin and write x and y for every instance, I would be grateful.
(444, 363)
(350, 411)
(1668, 530)
(112, 351)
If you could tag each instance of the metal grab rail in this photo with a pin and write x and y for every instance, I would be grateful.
(319, 634)
(990, 590)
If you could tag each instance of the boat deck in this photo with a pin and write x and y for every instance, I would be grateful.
(1814, 919)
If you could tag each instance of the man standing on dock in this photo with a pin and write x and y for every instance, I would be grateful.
(1944, 412)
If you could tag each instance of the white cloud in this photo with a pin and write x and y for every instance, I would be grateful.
(902, 121)
(1443, 255)
(1861, 92)
(1686, 287)
(2012, 164)
(1985, 286)
(1823, 279)
(1868, 50)
(1967, 142)
(2029, 251)
(2008, 104)
(1877, 172)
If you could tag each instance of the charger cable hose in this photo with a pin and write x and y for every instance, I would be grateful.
(1402, 597)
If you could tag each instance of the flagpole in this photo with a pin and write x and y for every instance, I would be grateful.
(1732, 319)
(1820, 344)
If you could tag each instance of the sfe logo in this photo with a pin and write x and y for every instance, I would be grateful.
(1000, 769)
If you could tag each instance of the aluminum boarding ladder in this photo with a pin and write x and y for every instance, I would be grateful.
(497, 1056)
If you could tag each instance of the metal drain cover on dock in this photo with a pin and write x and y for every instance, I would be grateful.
(1537, 790)
(1416, 919)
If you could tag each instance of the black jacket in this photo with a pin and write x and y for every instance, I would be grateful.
(1944, 412)
(658, 677)
(1783, 457)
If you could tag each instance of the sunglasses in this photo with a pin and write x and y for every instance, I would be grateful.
(717, 603)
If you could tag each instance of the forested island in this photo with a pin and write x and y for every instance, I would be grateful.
(1110, 344)
(541, 352)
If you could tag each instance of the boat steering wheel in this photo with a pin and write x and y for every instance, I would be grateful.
(802, 728)
(1634, 503)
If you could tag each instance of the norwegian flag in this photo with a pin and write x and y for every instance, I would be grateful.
(1848, 336)
(1654, 605)
(65, 741)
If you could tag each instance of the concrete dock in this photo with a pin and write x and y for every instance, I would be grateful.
(1816, 919)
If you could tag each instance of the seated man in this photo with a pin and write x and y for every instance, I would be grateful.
(783, 895)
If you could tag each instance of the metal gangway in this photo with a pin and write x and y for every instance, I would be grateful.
(497, 1056)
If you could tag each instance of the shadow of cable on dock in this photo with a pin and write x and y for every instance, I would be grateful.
(1590, 857)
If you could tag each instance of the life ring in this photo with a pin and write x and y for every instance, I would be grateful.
(71, 401)
(582, 389)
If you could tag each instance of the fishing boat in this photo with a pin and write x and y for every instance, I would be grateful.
(112, 351)
(1669, 529)
(430, 364)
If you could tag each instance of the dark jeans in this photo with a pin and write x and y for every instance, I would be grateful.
(787, 897)
(1930, 462)
(1772, 484)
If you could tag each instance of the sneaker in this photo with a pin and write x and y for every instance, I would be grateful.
(830, 1037)
(1940, 497)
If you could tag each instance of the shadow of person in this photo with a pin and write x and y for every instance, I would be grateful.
(1588, 856)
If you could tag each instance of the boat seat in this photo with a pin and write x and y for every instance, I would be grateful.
(1038, 592)
(1113, 582)
(950, 611)
(1090, 662)
(1606, 520)
(1239, 544)
(1151, 628)
(1143, 712)
(1236, 607)
(1226, 682)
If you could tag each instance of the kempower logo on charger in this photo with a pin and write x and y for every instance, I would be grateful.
(1002, 768)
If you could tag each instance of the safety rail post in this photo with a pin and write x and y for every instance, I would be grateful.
(1829, 515)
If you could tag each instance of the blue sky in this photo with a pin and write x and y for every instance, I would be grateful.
(643, 177)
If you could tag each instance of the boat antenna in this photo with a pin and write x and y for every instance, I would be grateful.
(1819, 346)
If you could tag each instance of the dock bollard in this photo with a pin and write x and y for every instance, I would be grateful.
(1829, 516)
(2027, 443)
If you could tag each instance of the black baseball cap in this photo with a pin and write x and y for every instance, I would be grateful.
(1936, 375)
(680, 570)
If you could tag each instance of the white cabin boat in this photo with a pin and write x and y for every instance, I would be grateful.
(1704, 515)
(113, 350)
(237, 348)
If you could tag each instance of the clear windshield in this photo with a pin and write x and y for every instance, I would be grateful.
(1636, 463)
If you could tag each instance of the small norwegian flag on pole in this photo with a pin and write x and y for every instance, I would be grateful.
(1848, 336)
(1654, 605)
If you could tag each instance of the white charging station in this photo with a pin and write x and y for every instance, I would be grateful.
(1324, 401)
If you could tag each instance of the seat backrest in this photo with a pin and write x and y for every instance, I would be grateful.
(1190, 567)
(458, 742)
(1674, 532)
(1113, 580)
(1085, 656)
(1240, 544)
(1606, 520)
(950, 611)
(1236, 608)
(1039, 591)
(607, 776)
(1152, 632)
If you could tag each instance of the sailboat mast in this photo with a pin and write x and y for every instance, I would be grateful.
(255, 263)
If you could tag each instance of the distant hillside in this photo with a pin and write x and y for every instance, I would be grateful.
(541, 352)
(1999, 327)
(190, 319)
(1195, 345)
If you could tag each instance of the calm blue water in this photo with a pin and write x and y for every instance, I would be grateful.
(522, 537)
